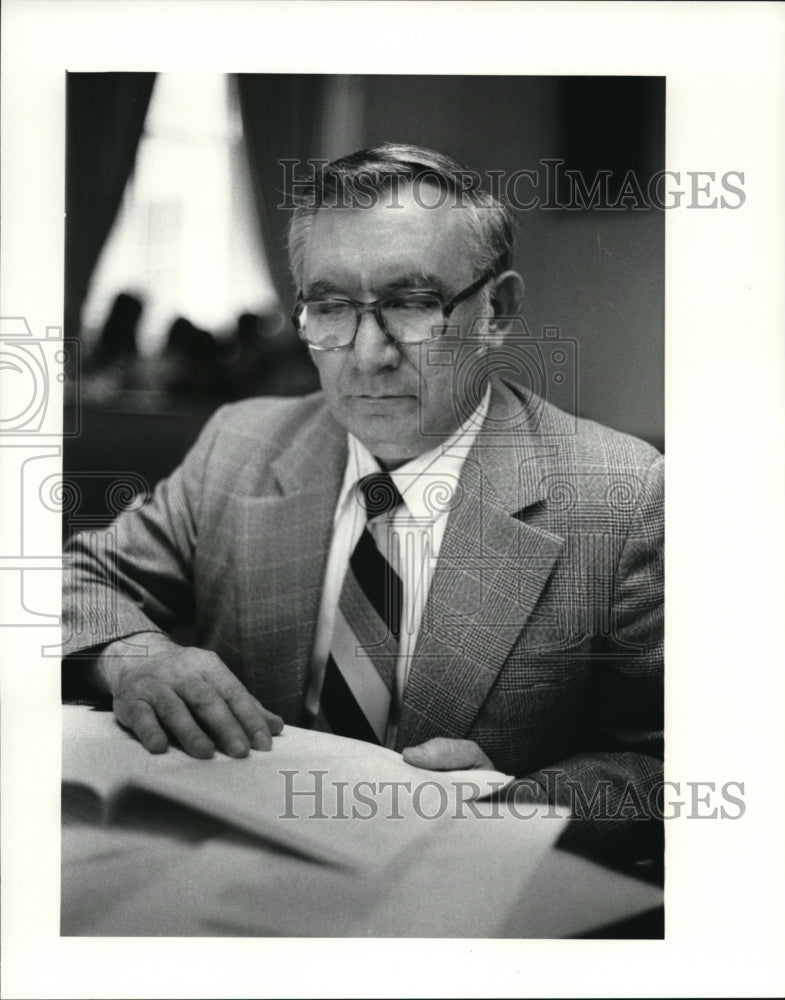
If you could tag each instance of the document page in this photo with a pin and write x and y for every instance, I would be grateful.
(345, 839)
(301, 795)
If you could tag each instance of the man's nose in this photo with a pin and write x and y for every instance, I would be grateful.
(373, 349)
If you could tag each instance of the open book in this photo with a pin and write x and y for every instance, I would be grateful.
(302, 797)
(320, 836)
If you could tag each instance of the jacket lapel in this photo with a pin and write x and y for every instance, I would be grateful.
(287, 540)
(490, 573)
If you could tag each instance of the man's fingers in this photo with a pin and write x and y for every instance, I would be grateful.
(258, 724)
(443, 754)
(246, 709)
(193, 697)
(140, 718)
(211, 710)
(177, 720)
(274, 722)
(272, 725)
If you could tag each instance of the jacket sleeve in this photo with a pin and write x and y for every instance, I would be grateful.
(612, 789)
(136, 575)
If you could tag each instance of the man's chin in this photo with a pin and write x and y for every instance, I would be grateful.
(391, 455)
(392, 445)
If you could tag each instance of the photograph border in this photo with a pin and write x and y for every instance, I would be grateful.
(725, 494)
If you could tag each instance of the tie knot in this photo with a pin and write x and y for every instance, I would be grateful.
(378, 493)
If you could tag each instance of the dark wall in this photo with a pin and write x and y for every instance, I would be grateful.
(597, 275)
(118, 455)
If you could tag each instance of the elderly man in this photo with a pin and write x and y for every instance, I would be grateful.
(422, 554)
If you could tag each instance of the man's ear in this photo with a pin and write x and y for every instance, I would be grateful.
(506, 298)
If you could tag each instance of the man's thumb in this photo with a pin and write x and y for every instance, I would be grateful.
(442, 754)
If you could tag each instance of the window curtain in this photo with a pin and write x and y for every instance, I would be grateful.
(105, 114)
(281, 115)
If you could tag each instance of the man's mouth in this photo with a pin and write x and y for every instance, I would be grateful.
(380, 396)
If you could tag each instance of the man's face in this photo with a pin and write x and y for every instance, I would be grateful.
(375, 388)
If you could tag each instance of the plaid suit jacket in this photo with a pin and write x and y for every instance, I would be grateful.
(541, 638)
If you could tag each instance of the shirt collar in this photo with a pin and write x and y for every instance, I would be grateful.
(427, 481)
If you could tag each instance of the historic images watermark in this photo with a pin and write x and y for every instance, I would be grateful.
(523, 799)
(551, 187)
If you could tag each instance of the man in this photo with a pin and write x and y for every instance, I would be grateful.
(422, 554)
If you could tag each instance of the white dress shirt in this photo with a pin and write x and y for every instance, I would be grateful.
(409, 537)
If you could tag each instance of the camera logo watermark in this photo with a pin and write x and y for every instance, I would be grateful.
(38, 374)
(545, 365)
(31, 368)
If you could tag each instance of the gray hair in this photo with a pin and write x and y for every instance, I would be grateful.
(353, 180)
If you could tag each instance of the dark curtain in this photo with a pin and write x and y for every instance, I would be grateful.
(105, 115)
(610, 123)
(281, 116)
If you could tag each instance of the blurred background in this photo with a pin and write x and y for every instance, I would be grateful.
(177, 283)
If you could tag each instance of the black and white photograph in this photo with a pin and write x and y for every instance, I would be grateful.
(339, 529)
(399, 539)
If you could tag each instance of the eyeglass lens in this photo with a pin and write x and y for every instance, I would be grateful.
(408, 319)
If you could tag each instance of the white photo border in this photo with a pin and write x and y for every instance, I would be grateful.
(725, 428)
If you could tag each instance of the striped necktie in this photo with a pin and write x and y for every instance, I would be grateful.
(359, 678)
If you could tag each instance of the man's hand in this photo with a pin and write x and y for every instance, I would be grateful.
(442, 754)
(188, 694)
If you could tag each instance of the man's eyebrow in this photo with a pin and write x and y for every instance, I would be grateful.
(323, 287)
(414, 281)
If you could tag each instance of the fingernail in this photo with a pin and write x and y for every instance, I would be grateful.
(261, 741)
(237, 748)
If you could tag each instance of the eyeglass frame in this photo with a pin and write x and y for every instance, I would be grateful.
(361, 308)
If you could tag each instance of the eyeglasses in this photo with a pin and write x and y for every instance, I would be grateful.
(331, 324)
